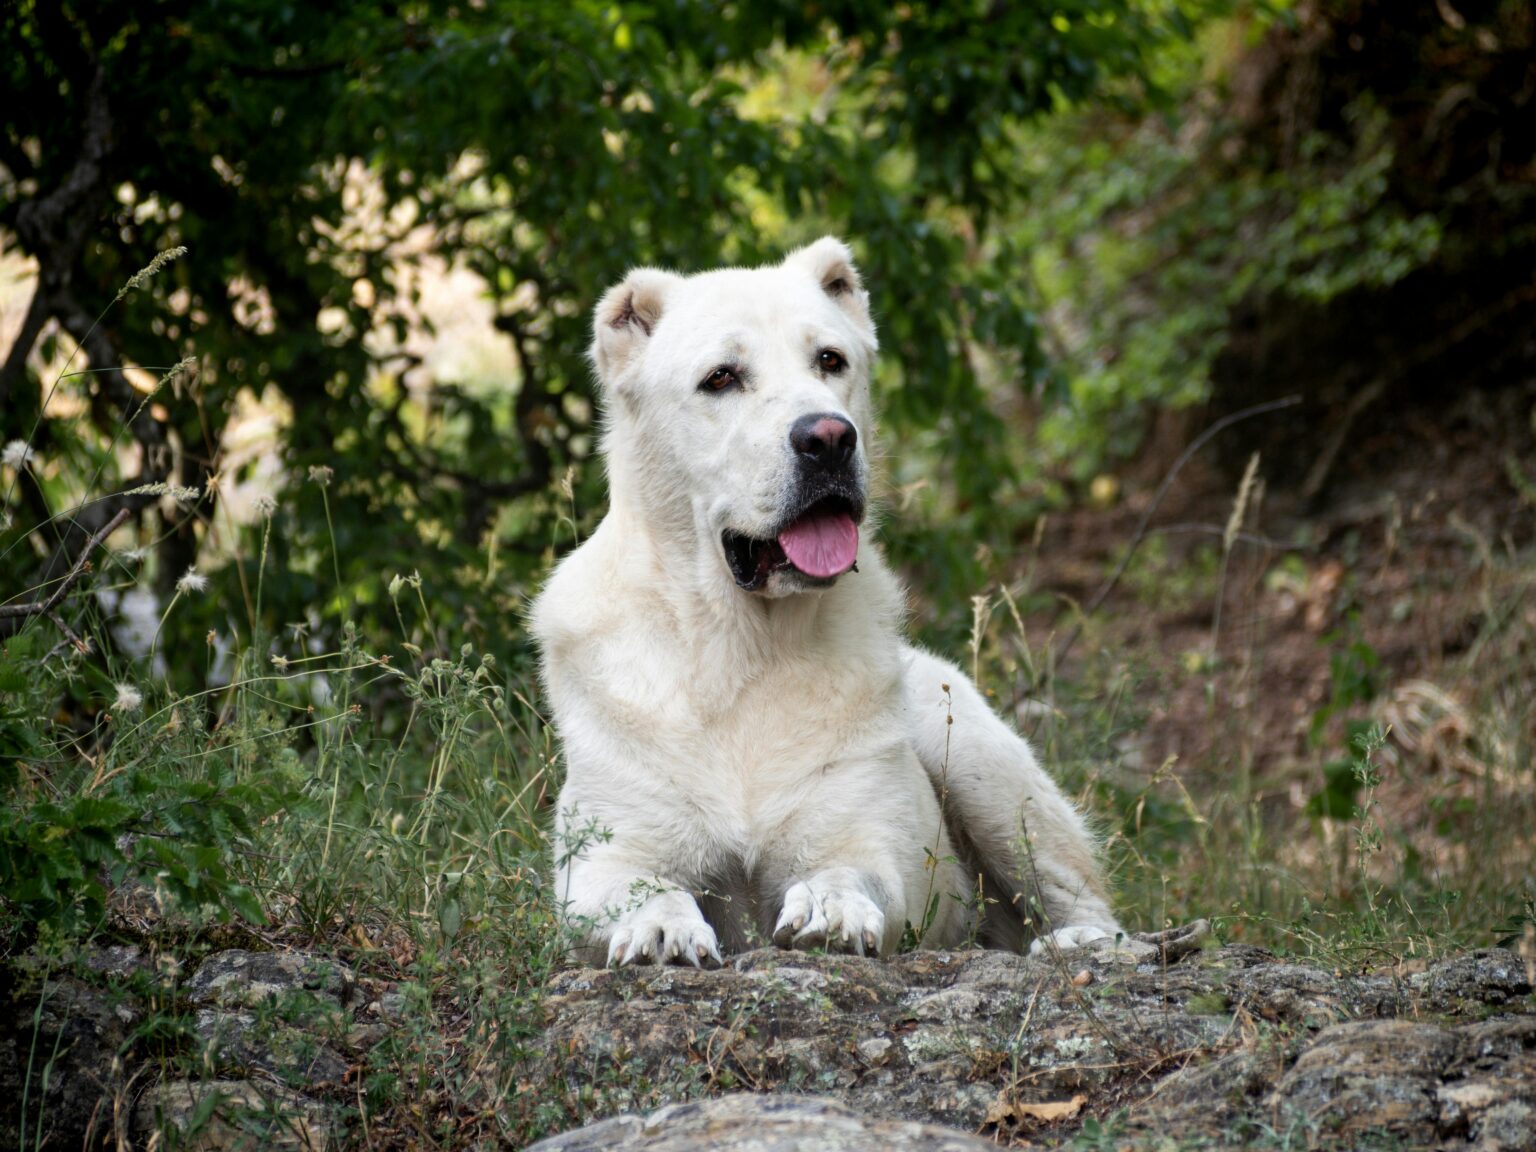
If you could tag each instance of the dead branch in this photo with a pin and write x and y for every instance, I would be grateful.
(48, 605)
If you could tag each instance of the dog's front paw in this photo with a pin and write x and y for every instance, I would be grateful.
(647, 937)
(1074, 936)
(838, 919)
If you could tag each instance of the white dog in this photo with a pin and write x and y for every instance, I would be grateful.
(752, 751)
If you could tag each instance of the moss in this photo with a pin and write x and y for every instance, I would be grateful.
(1208, 1004)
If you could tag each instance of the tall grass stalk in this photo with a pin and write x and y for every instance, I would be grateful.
(932, 860)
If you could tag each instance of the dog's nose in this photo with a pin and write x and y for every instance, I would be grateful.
(823, 440)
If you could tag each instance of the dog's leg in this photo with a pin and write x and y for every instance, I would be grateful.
(1028, 836)
(642, 918)
(887, 863)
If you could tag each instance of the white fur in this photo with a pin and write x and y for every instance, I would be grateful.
(769, 765)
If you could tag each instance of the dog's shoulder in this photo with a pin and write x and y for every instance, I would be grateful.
(583, 598)
(604, 632)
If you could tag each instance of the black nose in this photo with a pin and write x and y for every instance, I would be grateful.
(823, 440)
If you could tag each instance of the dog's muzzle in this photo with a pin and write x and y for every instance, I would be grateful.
(818, 536)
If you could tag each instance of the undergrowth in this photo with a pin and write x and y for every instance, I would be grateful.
(1397, 830)
(376, 798)
(377, 802)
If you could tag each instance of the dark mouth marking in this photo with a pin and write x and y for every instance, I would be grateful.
(753, 561)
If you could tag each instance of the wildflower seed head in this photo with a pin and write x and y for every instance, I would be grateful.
(18, 454)
(128, 699)
(280, 662)
(180, 493)
(146, 273)
(321, 474)
(1240, 504)
(192, 581)
(265, 505)
(182, 367)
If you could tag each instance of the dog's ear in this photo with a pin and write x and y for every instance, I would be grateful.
(626, 316)
(830, 261)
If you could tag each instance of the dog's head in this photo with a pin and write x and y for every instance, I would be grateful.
(737, 411)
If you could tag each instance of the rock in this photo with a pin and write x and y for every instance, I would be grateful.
(239, 1042)
(63, 1045)
(1297, 994)
(69, 1047)
(230, 1116)
(250, 979)
(1369, 1075)
(1160, 1040)
(747, 1123)
(1173, 944)
(1488, 1092)
(120, 960)
(1416, 1081)
(1493, 977)
(1174, 1036)
(1213, 1098)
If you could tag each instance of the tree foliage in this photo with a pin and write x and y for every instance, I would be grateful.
(308, 156)
(1332, 202)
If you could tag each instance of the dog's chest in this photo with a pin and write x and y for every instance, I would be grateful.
(775, 730)
(743, 749)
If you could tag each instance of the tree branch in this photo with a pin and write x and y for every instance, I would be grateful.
(47, 606)
(53, 227)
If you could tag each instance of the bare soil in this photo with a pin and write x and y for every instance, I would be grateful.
(1400, 595)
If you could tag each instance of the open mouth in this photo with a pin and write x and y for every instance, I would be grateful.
(820, 542)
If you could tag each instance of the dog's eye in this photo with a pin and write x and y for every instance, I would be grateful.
(831, 361)
(720, 380)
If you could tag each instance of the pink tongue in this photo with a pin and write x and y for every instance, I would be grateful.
(822, 546)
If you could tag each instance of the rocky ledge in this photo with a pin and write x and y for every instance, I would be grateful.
(1157, 1042)
(1163, 1041)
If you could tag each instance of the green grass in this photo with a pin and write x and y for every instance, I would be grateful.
(394, 825)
